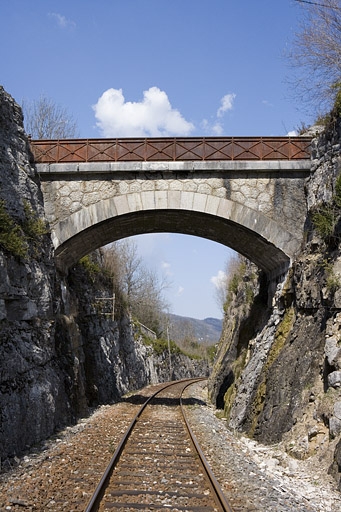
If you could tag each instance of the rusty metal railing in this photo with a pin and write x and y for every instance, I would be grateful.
(171, 149)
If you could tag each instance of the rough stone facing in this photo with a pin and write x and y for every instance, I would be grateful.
(271, 195)
(264, 198)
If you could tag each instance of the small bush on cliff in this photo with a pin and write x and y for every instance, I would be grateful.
(91, 267)
(333, 282)
(325, 219)
(17, 238)
(12, 238)
(327, 216)
(34, 226)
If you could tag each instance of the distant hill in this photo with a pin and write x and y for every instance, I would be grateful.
(202, 331)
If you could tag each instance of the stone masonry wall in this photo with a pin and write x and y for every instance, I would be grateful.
(275, 194)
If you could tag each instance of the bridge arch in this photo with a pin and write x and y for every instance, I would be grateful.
(243, 229)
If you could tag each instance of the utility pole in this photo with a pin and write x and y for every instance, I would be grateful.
(169, 353)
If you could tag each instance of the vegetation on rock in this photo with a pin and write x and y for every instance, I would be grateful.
(17, 238)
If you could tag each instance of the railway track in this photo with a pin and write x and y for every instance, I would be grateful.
(158, 465)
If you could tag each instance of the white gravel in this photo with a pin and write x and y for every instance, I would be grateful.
(257, 477)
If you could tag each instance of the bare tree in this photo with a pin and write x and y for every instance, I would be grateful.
(142, 289)
(316, 54)
(44, 119)
(149, 304)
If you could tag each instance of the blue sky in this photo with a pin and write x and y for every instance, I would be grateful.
(157, 67)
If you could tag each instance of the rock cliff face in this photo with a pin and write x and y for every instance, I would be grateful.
(112, 352)
(58, 356)
(33, 399)
(287, 387)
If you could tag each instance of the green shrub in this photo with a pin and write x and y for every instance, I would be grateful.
(234, 283)
(325, 220)
(12, 238)
(326, 217)
(249, 295)
(34, 226)
(91, 267)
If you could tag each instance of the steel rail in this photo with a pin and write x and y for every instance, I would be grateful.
(214, 482)
(95, 500)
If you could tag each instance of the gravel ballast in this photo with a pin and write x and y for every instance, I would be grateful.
(62, 474)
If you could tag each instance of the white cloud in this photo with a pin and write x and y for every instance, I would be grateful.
(62, 21)
(293, 133)
(215, 126)
(219, 281)
(226, 103)
(153, 116)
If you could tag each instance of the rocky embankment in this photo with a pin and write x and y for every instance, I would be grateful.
(58, 356)
(278, 370)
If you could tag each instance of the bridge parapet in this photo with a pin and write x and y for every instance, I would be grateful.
(171, 149)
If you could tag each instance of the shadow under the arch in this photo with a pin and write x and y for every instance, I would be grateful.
(170, 402)
(252, 244)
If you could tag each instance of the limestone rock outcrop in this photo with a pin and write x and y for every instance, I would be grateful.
(33, 398)
(288, 385)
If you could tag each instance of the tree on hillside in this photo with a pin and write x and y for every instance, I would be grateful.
(44, 119)
(316, 54)
(141, 288)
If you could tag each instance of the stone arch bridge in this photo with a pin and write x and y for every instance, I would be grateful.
(246, 193)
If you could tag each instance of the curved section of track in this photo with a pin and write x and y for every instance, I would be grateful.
(158, 464)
